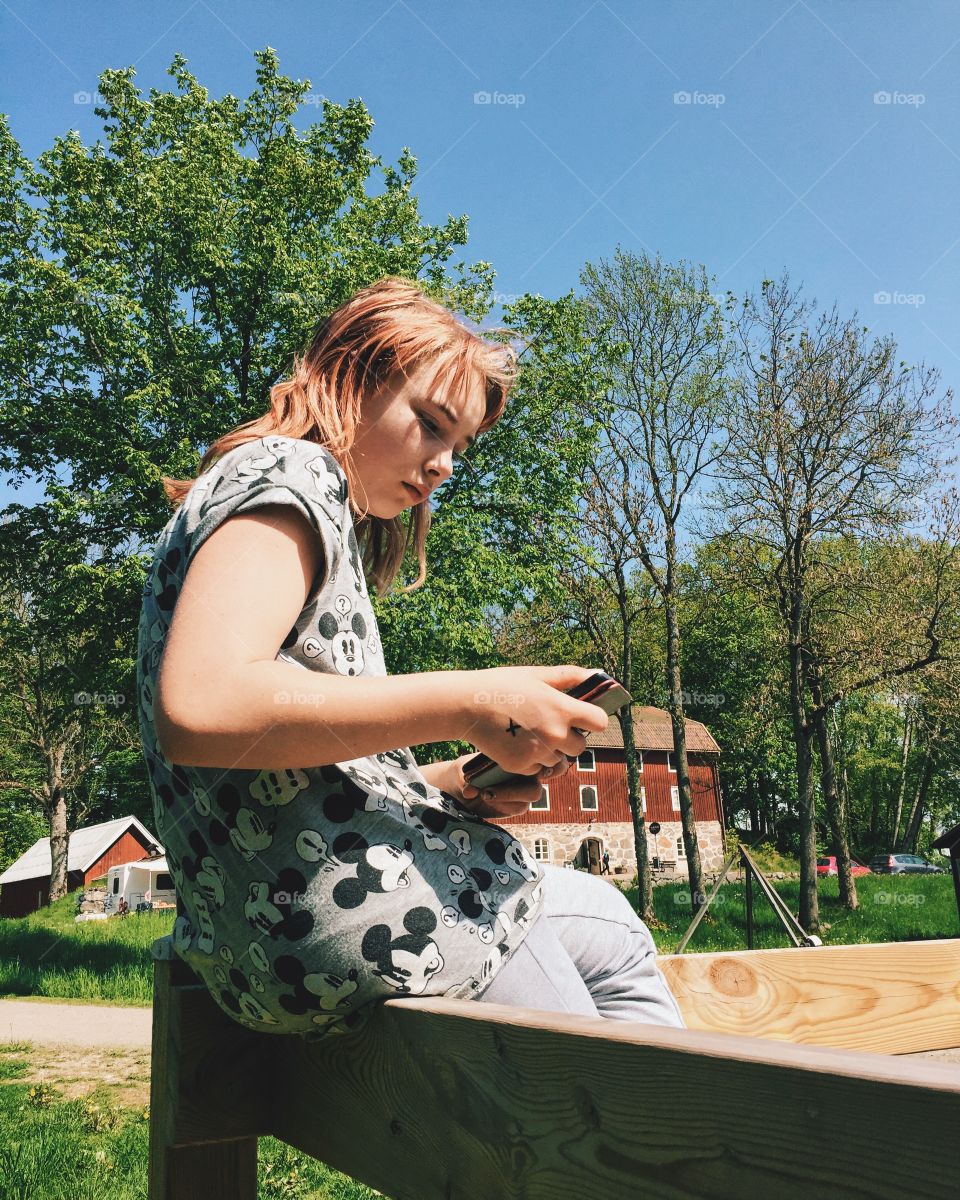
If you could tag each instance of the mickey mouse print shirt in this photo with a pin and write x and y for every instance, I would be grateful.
(308, 894)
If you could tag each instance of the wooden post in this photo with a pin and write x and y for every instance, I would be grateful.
(748, 899)
(207, 1092)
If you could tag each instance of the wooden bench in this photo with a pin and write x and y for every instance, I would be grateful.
(776, 1088)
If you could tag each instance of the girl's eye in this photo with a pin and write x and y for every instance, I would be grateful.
(435, 430)
(431, 425)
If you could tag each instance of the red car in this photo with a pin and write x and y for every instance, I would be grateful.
(828, 866)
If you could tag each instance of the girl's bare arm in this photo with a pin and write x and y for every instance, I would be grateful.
(224, 701)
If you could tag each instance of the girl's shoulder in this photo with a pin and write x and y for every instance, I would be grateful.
(270, 463)
(264, 471)
(278, 453)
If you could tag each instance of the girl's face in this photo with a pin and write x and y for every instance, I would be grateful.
(407, 440)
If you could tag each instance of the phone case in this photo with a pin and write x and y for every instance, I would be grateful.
(600, 689)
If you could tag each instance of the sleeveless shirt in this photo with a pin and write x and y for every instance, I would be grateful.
(310, 893)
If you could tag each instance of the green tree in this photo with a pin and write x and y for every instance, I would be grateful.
(664, 338)
(829, 438)
(733, 673)
(69, 666)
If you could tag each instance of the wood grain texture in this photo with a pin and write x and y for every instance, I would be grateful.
(206, 1096)
(889, 998)
(450, 1100)
(453, 1100)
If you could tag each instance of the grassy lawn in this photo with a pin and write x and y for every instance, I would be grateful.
(59, 1145)
(48, 955)
(893, 908)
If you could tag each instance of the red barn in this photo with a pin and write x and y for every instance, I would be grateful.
(586, 811)
(25, 884)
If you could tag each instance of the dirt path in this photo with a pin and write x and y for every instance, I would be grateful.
(77, 1071)
(105, 1025)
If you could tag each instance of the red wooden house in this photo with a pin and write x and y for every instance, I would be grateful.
(586, 811)
(25, 884)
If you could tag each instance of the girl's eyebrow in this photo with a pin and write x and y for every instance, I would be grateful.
(449, 414)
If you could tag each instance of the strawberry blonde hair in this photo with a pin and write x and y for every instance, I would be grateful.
(384, 331)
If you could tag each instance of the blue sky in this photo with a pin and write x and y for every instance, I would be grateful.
(817, 135)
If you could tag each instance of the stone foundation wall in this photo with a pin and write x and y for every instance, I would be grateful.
(564, 842)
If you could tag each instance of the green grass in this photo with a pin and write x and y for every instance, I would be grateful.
(94, 1149)
(893, 908)
(49, 954)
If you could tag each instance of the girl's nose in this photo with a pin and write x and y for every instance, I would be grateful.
(440, 467)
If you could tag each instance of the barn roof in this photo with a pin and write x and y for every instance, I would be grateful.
(653, 731)
(86, 846)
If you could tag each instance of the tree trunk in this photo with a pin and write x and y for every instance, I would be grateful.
(833, 803)
(875, 818)
(59, 837)
(644, 879)
(751, 803)
(678, 720)
(768, 825)
(809, 915)
(841, 780)
(895, 840)
(920, 796)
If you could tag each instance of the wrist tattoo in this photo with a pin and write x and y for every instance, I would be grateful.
(513, 727)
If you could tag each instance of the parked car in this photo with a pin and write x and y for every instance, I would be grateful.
(828, 866)
(904, 864)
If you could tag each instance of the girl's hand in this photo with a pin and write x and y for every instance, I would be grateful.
(522, 718)
(506, 799)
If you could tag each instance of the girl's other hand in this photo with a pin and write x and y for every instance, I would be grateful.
(506, 799)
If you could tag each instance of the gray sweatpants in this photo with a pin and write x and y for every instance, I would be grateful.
(588, 952)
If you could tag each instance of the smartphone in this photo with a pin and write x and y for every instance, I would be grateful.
(600, 689)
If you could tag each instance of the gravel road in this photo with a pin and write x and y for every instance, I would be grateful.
(48, 1023)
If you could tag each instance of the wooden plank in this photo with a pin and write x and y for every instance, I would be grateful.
(450, 1100)
(890, 998)
(206, 1096)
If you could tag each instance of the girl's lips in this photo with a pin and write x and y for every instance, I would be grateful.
(410, 488)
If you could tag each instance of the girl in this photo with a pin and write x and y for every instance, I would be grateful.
(318, 868)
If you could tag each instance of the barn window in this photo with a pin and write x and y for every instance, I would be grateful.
(116, 884)
(544, 801)
(643, 799)
(586, 761)
(675, 798)
(588, 797)
(164, 882)
(541, 849)
(681, 850)
(671, 765)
